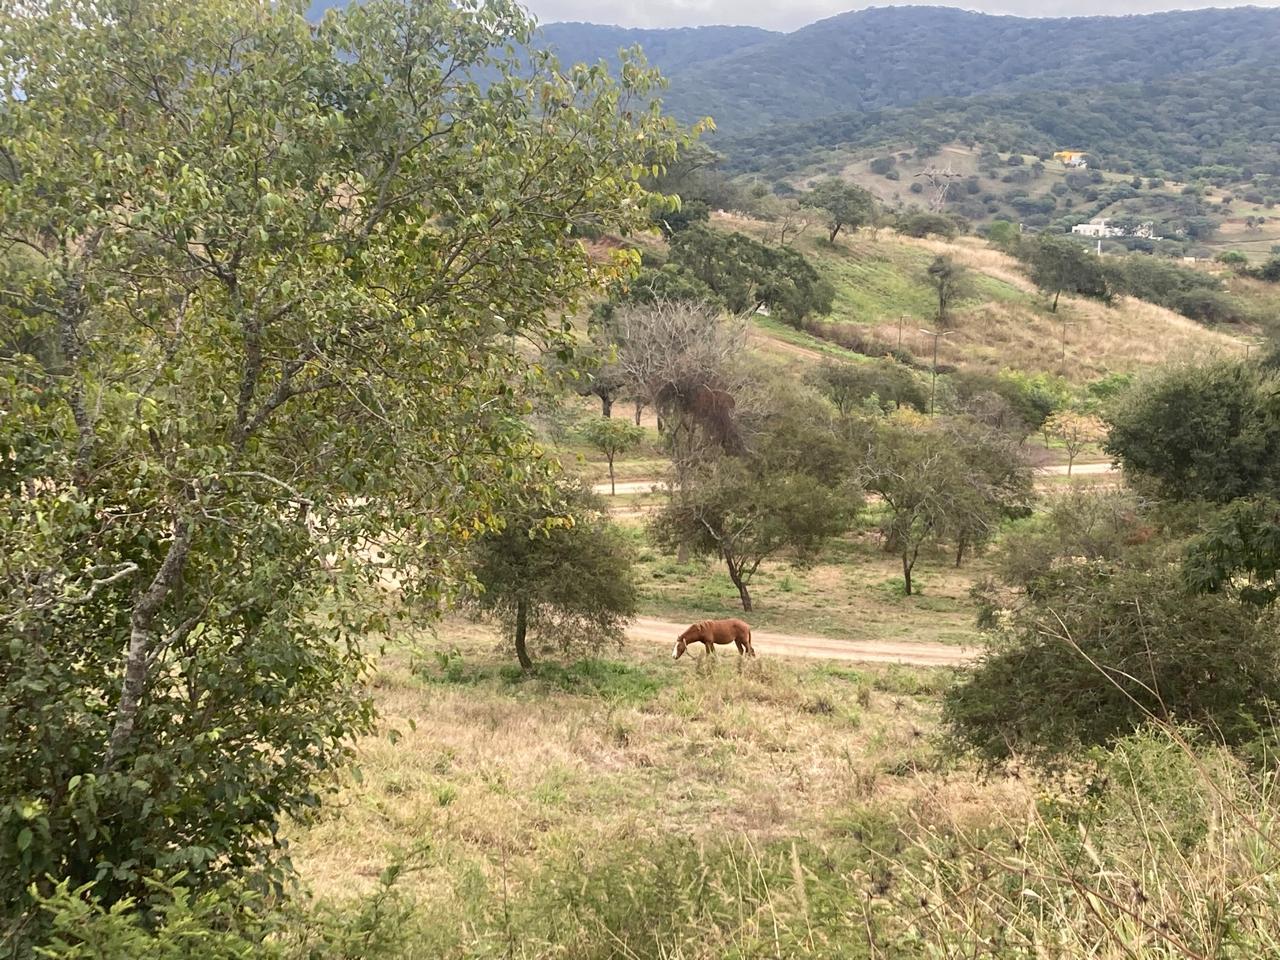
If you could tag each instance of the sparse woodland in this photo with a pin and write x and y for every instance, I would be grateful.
(380, 397)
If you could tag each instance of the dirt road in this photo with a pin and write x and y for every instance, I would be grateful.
(921, 654)
(1057, 469)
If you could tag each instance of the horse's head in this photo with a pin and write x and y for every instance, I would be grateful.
(692, 635)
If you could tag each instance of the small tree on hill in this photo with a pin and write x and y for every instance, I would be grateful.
(847, 207)
(1076, 431)
(744, 516)
(560, 572)
(611, 438)
(849, 385)
(923, 481)
(949, 281)
(1060, 265)
(789, 493)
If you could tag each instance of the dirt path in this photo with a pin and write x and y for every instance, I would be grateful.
(1056, 469)
(1080, 469)
(917, 653)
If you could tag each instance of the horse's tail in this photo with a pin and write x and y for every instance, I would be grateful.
(750, 649)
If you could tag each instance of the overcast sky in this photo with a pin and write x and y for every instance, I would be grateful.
(790, 14)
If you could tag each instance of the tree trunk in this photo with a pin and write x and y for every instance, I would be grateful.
(1055, 301)
(522, 624)
(606, 406)
(613, 487)
(141, 634)
(960, 551)
(736, 576)
(834, 231)
(639, 411)
(906, 573)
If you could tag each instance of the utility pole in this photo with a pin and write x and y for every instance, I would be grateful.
(933, 385)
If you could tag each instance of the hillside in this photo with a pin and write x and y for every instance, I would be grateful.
(895, 56)
(672, 51)
(1002, 323)
(1216, 125)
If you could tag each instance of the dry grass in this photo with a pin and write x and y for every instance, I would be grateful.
(853, 592)
(1100, 340)
(497, 776)
(1008, 324)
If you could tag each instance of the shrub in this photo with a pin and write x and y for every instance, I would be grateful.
(1208, 431)
(1103, 649)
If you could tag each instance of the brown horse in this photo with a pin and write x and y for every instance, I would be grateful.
(711, 632)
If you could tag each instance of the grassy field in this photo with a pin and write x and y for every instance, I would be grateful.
(491, 764)
(853, 591)
(1003, 323)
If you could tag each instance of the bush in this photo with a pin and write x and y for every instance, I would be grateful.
(922, 224)
(1078, 525)
(1104, 649)
(1208, 431)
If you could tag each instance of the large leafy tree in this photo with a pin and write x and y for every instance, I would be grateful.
(788, 492)
(1201, 431)
(1060, 265)
(946, 481)
(745, 274)
(847, 207)
(262, 285)
(559, 571)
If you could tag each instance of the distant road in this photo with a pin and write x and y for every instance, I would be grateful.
(1056, 469)
(916, 653)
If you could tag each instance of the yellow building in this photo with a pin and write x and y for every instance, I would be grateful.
(1072, 158)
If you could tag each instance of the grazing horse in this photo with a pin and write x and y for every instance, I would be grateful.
(711, 632)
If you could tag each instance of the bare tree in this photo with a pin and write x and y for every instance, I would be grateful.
(791, 221)
(939, 185)
(683, 359)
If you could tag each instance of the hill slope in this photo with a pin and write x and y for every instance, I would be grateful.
(1182, 127)
(672, 51)
(899, 55)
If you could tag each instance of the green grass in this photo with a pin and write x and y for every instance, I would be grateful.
(603, 679)
(853, 591)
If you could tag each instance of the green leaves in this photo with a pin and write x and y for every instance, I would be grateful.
(260, 320)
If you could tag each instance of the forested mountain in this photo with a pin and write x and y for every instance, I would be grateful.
(1216, 125)
(896, 56)
(672, 51)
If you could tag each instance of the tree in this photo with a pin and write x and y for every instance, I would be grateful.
(683, 359)
(786, 494)
(1238, 552)
(1201, 431)
(612, 437)
(1234, 259)
(746, 274)
(949, 283)
(1112, 646)
(847, 207)
(1003, 234)
(285, 266)
(560, 572)
(998, 476)
(1060, 265)
(1076, 431)
(849, 385)
(595, 362)
(922, 479)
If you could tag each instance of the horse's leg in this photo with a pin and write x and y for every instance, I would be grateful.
(742, 647)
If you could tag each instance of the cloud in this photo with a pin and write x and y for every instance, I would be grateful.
(791, 14)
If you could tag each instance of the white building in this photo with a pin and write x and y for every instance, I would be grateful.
(1101, 229)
